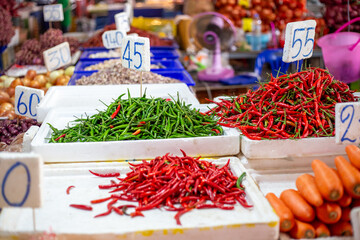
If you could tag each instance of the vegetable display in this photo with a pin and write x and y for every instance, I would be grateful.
(9, 129)
(139, 118)
(172, 183)
(31, 50)
(291, 106)
(332, 216)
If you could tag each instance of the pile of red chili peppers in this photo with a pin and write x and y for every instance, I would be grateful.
(175, 183)
(291, 106)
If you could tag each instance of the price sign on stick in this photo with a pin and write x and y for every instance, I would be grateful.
(122, 22)
(135, 54)
(113, 38)
(53, 13)
(57, 56)
(20, 180)
(26, 101)
(299, 40)
(347, 123)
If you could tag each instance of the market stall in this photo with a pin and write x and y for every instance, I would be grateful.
(179, 120)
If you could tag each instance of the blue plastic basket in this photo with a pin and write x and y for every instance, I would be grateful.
(181, 75)
(168, 65)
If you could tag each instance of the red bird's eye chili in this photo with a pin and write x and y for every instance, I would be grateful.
(68, 189)
(174, 183)
(81, 206)
(61, 136)
(105, 174)
(116, 112)
(291, 106)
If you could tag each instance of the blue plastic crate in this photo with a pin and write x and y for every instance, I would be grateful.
(168, 65)
(181, 75)
(157, 54)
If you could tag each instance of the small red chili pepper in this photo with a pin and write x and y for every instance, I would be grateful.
(61, 136)
(111, 126)
(100, 200)
(136, 132)
(105, 174)
(104, 214)
(116, 112)
(68, 189)
(81, 206)
(216, 130)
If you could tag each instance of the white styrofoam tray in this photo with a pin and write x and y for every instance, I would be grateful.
(284, 148)
(227, 144)
(259, 222)
(90, 96)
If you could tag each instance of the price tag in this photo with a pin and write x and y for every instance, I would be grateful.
(299, 40)
(347, 123)
(122, 22)
(26, 101)
(53, 13)
(57, 56)
(135, 53)
(113, 38)
(129, 11)
(20, 180)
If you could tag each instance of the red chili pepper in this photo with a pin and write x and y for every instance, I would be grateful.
(216, 130)
(100, 200)
(104, 214)
(61, 136)
(111, 126)
(116, 112)
(105, 174)
(68, 189)
(81, 206)
(136, 132)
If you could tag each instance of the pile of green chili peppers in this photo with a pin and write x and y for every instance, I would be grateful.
(139, 118)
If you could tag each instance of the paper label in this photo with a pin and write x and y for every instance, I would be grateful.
(53, 13)
(135, 53)
(57, 56)
(122, 22)
(347, 123)
(26, 101)
(299, 40)
(20, 180)
(112, 39)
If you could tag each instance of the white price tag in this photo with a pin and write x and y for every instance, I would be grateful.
(122, 22)
(129, 11)
(112, 38)
(135, 53)
(20, 180)
(299, 40)
(26, 101)
(57, 56)
(53, 13)
(347, 123)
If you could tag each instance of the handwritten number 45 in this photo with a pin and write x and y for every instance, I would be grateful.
(127, 55)
(300, 42)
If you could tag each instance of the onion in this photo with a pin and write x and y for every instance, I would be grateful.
(69, 71)
(4, 97)
(41, 79)
(26, 81)
(30, 74)
(53, 76)
(10, 91)
(35, 84)
(16, 82)
(61, 81)
(5, 107)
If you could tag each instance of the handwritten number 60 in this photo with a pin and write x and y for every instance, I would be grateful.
(12, 168)
(21, 103)
(343, 119)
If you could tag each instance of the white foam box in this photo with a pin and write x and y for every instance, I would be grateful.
(89, 95)
(227, 144)
(284, 148)
(64, 222)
